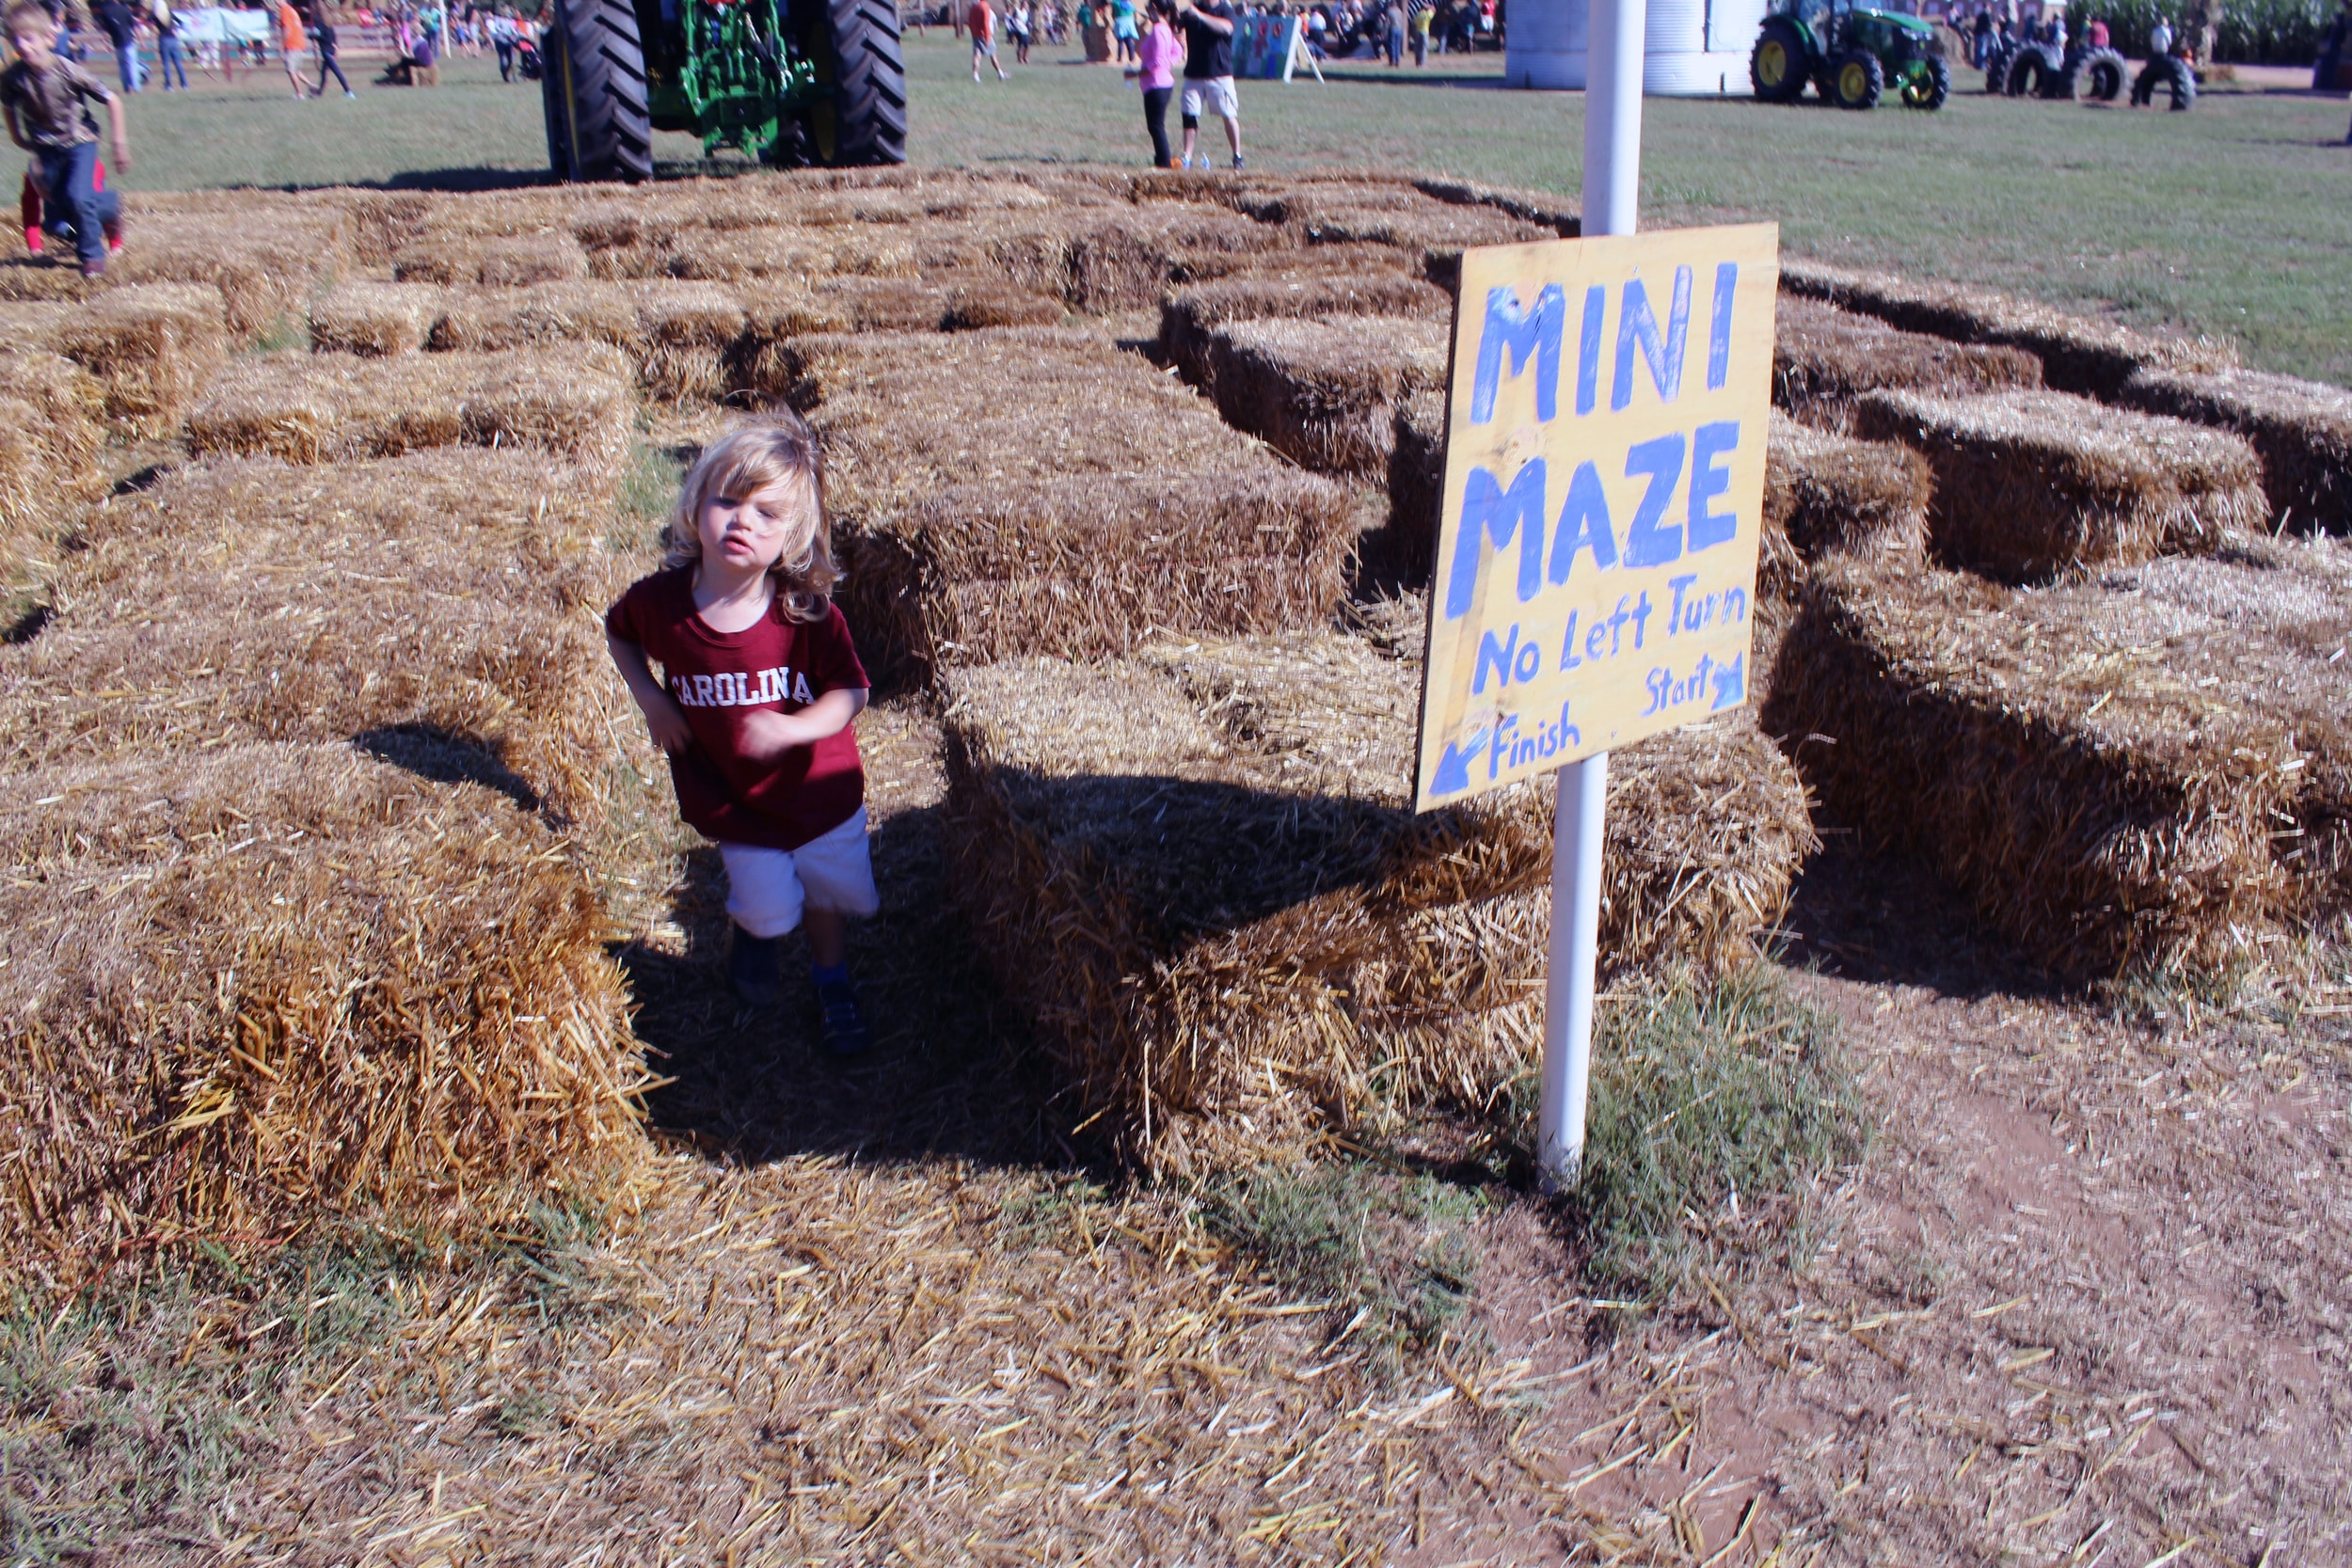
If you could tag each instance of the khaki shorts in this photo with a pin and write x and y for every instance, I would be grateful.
(769, 889)
(1214, 92)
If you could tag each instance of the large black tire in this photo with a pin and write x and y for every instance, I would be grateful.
(2098, 75)
(2165, 72)
(1776, 63)
(1932, 87)
(860, 114)
(1855, 80)
(2034, 72)
(1996, 68)
(593, 89)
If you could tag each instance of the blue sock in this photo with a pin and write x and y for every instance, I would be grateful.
(837, 976)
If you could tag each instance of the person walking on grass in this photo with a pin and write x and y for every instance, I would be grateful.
(324, 32)
(1123, 32)
(121, 27)
(170, 56)
(1021, 22)
(46, 99)
(762, 688)
(983, 21)
(293, 43)
(1157, 54)
(1209, 73)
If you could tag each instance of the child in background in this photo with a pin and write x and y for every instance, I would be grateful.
(45, 99)
(762, 688)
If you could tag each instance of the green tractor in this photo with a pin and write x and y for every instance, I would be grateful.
(1853, 53)
(788, 82)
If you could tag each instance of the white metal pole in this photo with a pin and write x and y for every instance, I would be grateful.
(1613, 171)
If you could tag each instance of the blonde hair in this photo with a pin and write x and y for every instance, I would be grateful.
(780, 450)
(29, 16)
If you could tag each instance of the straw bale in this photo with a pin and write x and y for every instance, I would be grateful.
(486, 321)
(1198, 873)
(381, 222)
(2077, 355)
(1127, 264)
(977, 299)
(776, 253)
(376, 320)
(58, 410)
(265, 273)
(1408, 553)
(886, 304)
(1437, 233)
(247, 991)
(1323, 391)
(1086, 564)
(2101, 771)
(150, 347)
(817, 367)
(2032, 485)
(2285, 607)
(1537, 207)
(1191, 314)
(1037, 488)
(1824, 358)
(512, 262)
(1825, 493)
(45, 279)
(2302, 430)
(774, 315)
(573, 400)
(453, 595)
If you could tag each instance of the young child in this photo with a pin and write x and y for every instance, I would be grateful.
(43, 97)
(762, 687)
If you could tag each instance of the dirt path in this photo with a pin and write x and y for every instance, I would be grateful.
(2084, 1302)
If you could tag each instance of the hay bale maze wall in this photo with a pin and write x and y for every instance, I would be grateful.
(1824, 358)
(1197, 871)
(2302, 430)
(1040, 490)
(2105, 766)
(2029, 486)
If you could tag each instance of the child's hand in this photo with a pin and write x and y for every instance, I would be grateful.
(123, 156)
(667, 721)
(768, 735)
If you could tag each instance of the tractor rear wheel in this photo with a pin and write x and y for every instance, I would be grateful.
(1776, 66)
(2032, 69)
(859, 112)
(2098, 76)
(593, 86)
(1929, 87)
(2166, 71)
(1855, 81)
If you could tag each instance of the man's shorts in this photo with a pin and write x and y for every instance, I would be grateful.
(768, 889)
(1217, 92)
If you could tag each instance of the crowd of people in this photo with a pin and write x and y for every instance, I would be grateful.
(418, 37)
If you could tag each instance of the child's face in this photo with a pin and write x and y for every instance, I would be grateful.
(33, 45)
(748, 532)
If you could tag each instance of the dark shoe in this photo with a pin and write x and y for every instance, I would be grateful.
(95, 267)
(752, 970)
(844, 1026)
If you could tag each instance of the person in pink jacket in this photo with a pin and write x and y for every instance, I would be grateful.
(1157, 56)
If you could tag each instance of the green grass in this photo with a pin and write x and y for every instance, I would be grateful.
(2234, 218)
(1715, 1111)
(1394, 1254)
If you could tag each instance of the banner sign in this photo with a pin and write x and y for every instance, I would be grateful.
(212, 24)
(1265, 48)
(1604, 490)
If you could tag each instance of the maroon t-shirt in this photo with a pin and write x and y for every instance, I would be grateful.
(719, 678)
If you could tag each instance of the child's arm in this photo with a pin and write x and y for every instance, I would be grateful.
(663, 717)
(16, 132)
(121, 131)
(768, 736)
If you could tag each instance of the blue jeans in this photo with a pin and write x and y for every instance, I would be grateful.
(127, 63)
(168, 59)
(68, 180)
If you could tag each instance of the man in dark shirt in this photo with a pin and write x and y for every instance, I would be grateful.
(122, 25)
(1209, 72)
(44, 99)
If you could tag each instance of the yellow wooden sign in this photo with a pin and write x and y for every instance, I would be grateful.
(1604, 489)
